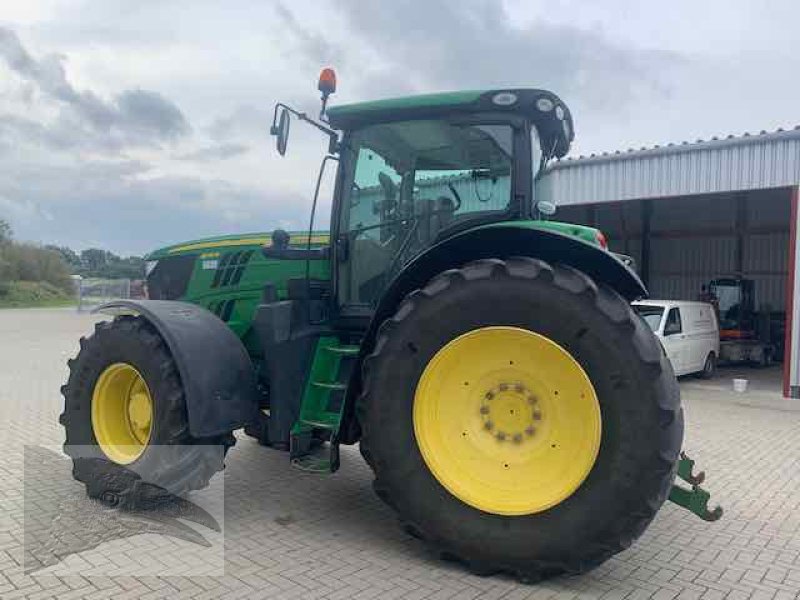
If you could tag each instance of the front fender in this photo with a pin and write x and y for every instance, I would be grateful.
(217, 375)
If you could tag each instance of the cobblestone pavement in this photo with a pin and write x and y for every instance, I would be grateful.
(293, 535)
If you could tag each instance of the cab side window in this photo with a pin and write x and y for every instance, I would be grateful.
(673, 324)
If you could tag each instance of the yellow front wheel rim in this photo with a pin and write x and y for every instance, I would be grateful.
(507, 420)
(122, 413)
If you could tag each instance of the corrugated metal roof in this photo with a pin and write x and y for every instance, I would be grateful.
(749, 161)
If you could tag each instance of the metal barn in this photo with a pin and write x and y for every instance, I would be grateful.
(690, 212)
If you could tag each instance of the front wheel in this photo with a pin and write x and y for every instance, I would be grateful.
(125, 418)
(709, 367)
(520, 418)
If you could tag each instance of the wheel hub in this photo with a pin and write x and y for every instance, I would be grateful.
(510, 412)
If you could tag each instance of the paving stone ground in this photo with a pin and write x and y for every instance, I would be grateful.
(293, 535)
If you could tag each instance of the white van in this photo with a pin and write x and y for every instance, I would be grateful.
(688, 331)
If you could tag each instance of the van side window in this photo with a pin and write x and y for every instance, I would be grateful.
(673, 324)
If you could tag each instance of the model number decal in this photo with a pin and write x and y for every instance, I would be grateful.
(210, 264)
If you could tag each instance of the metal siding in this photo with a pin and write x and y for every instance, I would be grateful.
(679, 266)
(744, 163)
(693, 213)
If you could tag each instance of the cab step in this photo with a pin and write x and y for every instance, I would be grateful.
(329, 385)
(321, 408)
(343, 350)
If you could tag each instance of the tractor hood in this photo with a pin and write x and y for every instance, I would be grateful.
(263, 238)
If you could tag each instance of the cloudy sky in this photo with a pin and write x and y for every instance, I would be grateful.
(129, 124)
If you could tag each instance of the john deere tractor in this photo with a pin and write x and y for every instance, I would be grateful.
(517, 414)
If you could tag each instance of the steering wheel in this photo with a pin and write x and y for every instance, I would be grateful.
(389, 188)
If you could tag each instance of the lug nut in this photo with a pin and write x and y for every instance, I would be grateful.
(500, 435)
(517, 438)
(484, 410)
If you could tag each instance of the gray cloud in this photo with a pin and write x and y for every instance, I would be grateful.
(316, 49)
(633, 73)
(133, 117)
(243, 122)
(104, 204)
(213, 153)
(473, 43)
(149, 112)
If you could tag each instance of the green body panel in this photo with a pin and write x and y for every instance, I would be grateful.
(247, 292)
(581, 232)
(208, 289)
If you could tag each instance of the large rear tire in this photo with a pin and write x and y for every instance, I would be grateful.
(125, 418)
(548, 331)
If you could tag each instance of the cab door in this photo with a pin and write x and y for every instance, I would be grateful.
(406, 185)
(674, 340)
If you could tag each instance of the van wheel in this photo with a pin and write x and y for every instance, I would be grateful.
(710, 366)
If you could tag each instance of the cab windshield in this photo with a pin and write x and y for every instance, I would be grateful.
(406, 184)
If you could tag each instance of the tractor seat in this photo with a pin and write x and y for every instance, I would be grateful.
(434, 216)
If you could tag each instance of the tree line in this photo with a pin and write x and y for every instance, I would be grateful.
(21, 261)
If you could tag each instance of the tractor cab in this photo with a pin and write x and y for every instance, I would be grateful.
(415, 171)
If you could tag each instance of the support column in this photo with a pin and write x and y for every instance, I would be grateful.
(791, 369)
(647, 215)
(741, 231)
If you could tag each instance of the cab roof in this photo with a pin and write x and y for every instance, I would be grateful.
(551, 115)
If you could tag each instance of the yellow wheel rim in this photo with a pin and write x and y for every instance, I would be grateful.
(507, 420)
(122, 413)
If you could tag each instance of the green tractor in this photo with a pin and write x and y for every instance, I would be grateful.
(517, 414)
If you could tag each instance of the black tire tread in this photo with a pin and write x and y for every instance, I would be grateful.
(616, 309)
(190, 464)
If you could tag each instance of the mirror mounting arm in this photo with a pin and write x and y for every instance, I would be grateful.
(333, 136)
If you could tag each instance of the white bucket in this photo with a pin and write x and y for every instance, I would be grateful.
(740, 385)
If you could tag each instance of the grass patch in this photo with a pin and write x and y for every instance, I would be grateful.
(32, 294)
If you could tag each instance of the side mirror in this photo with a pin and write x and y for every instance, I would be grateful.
(546, 208)
(281, 131)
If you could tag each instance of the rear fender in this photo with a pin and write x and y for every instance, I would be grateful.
(493, 241)
(218, 377)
